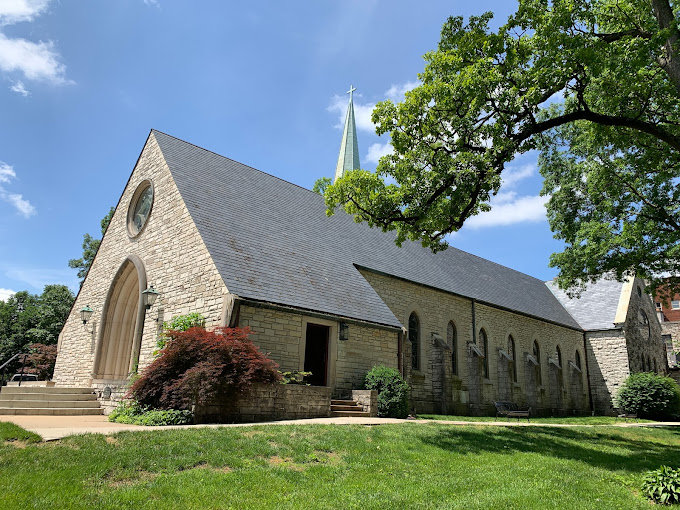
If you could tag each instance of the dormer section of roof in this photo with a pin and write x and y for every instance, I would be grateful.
(348, 159)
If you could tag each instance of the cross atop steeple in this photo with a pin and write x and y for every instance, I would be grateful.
(348, 159)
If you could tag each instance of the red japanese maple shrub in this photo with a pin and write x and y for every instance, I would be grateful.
(197, 366)
(41, 360)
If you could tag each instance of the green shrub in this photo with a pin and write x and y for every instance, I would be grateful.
(392, 391)
(295, 377)
(131, 412)
(662, 485)
(179, 323)
(650, 396)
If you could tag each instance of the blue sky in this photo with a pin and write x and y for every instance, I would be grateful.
(82, 83)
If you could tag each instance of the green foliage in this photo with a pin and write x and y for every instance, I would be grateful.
(590, 84)
(650, 396)
(29, 318)
(90, 247)
(321, 184)
(295, 377)
(392, 391)
(131, 412)
(662, 485)
(179, 323)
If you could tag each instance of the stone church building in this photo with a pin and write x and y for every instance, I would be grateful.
(330, 296)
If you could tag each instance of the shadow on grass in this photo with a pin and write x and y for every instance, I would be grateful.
(606, 449)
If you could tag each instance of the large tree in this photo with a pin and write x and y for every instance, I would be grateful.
(593, 84)
(27, 318)
(90, 247)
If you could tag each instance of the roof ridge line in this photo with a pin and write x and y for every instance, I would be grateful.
(230, 159)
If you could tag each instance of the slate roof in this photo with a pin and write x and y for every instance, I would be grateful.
(272, 241)
(596, 309)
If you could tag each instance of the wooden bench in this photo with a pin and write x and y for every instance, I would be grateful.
(511, 410)
(623, 415)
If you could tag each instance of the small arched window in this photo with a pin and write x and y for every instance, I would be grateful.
(511, 351)
(414, 338)
(452, 339)
(559, 355)
(655, 367)
(537, 355)
(577, 360)
(485, 345)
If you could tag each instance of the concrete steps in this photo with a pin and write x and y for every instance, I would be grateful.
(347, 408)
(53, 401)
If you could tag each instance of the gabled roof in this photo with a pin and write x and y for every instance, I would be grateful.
(272, 241)
(596, 308)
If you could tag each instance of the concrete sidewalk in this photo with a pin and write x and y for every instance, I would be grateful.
(51, 428)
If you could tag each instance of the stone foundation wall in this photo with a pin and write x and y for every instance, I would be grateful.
(368, 399)
(270, 403)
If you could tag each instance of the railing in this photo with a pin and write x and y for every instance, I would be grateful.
(3, 367)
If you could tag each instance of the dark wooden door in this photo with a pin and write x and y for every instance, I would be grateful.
(316, 353)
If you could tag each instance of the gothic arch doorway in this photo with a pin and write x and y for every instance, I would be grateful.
(120, 335)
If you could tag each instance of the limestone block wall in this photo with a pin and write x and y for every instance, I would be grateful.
(673, 330)
(280, 334)
(269, 402)
(644, 341)
(608, 365)
(175, 261)
(470, 390)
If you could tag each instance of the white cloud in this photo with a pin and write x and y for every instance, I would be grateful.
(19, 88)
(362, 113)
(377, 151)
(6, 172)
(15, 11)
(508, 209)
(513, 175)
(156, 3)
(397, 92)
(37, 61)
(22, 205)
(5, 294)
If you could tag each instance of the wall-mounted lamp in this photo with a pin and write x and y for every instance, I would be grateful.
(149, 297)
(85, 313)
(344, 331)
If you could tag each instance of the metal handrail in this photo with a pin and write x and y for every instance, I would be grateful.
(3, 367)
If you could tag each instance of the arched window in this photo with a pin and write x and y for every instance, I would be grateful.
(537, 355)
(414, 337)
(452, 339)
(559, 355)
(485, 345)
(655, 365)
(649, 364)
(577, 360)
(511, 351)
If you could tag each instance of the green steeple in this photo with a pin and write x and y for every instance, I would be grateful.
(348, 159)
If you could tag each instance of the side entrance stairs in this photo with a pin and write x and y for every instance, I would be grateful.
(347, 408)
(34, 400)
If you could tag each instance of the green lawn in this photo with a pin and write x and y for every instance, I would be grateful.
(400, 466)
(567, 420)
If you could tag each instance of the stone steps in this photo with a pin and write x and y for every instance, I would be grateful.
(347, 408)
(53, 401)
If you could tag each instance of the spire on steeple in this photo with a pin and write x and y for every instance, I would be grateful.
(348, 159)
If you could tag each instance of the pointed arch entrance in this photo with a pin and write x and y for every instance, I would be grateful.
(120, 335)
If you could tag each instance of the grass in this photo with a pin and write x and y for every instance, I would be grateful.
(411, 465)
(567, 420)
